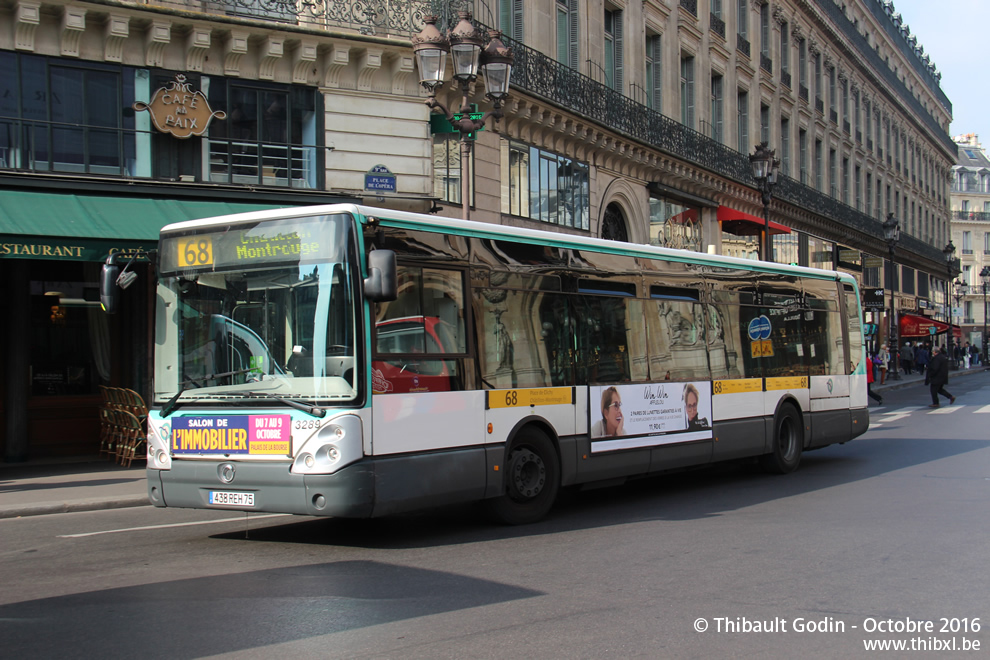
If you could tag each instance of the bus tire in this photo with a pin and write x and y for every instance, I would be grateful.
(531, 479)
(788, 440)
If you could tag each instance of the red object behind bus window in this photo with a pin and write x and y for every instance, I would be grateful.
(420, 341)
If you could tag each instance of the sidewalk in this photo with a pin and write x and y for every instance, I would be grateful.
(90, 483)
(79, 484)
(917, 380)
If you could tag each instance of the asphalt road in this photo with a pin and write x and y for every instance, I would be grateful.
(886, 532)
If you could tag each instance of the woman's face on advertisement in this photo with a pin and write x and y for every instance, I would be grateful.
(613, 414)
(691, 401)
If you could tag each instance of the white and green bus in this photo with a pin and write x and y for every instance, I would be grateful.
(349, 361)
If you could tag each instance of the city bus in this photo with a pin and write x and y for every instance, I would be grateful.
(350, 361)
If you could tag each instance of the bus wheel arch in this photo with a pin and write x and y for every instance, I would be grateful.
(786, 441)
(531, 476)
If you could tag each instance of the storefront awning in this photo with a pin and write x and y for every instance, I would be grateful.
(43, 225)
(913, 325)
(741, 223)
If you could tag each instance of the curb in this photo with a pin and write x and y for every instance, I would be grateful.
(94, 504)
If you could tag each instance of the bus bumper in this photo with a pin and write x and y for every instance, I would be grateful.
(348, 493)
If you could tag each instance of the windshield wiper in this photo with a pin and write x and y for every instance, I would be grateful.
(309, 409)
(173, 403)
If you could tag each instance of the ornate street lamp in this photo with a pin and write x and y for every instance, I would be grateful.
(949, 251)
(765, 168)
(958, 290)
(466, 45)
(985, 279)
(892, 234)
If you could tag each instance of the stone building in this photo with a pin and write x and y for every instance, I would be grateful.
(970, 198)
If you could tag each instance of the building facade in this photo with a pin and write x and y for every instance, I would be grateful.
(626, 120)
(970, 198)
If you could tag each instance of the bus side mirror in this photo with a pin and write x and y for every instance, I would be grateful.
(382, 283)
(109, 291)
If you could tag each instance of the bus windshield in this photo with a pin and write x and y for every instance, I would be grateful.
(258, 310)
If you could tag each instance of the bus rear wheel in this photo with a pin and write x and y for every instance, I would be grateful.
(788, 440)
(531, 479)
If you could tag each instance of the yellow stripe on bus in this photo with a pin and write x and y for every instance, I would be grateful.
(537, 396)
(787, 383)
(737, 386)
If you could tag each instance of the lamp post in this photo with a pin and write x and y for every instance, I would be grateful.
(765, 168)
(985, 280)
(957, 294)
(949, 251)
(466, 44)
(892, 234)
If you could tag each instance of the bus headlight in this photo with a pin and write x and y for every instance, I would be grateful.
(158, 437)
(336, 445)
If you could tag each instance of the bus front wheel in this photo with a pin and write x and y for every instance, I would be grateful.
(788, 440)
(530, 481)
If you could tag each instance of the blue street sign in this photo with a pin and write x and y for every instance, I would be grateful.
(759, 328)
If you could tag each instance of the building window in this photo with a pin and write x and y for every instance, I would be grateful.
(510, 18)
(544, 186)
(742, 18)
(613, 49)
(765, 123)
(447, 165)
(833, 178)
(832, 100)
(857, 183)
(674, 225)
(717, 102)
(687, 91)
(803, 64)
(62, 116)
(567, 33)
(269, 137)
(785, 146)
(819, 167)
(654, 70)
(967, 242)
(869, 193)
(803, 155)
(818, 77)
(785, 49)
(765, 30)
(742, 121)
(845, 180)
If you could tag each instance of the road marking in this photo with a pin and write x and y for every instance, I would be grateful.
(900, 413)
(984, 409)
(186, 524)
(944, 410)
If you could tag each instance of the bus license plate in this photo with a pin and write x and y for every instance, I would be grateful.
(226, 498)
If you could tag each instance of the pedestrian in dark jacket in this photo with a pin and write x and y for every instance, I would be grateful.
(938, 377)
(921, 358)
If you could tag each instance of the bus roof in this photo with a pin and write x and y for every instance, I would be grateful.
(441, 224)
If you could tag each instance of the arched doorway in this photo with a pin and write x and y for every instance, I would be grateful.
(614, 224)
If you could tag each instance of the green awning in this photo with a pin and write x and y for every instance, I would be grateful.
(43, 225)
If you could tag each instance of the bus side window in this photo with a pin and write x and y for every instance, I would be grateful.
(676, 325)
(417, 332)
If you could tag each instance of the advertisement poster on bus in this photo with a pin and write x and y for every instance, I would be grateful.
(648, 414)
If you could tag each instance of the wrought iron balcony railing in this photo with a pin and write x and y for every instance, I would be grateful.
(819, 105)
(691, 6)
(785, 78)
(803, 92)
(378, 17)
(833, 116)
(742, 45)
(975, 216)
(766, 63)
(716, 25)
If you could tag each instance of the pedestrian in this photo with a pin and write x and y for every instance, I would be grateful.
(966, 355)
(938, 377)
(974, 356)
(907, 357)
(921, 358)
(884, 358)
(869, 384)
